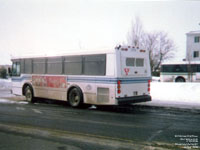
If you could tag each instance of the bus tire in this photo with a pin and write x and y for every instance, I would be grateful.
(29, 94)
(180, 79)
(75, 97)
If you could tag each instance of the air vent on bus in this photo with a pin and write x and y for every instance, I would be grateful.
(102, 95)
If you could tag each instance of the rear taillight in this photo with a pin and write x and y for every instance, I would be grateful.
(143, 51)
(118, 86)
(149, 81)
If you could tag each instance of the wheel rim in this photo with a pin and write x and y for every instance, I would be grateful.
(180, 80)
(28, 95)
(74, 98)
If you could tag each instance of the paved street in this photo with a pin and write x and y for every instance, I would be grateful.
(54, 125)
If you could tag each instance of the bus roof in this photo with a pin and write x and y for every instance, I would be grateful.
(69, 53)
(83, 52)
(181, 63)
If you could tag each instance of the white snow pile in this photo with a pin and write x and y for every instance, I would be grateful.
(12, 102)
(183, 95)
(5, 84)
(155, 79)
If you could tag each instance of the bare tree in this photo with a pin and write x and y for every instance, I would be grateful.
(136, 34)
(164, 50)
(150, 43)
(159, 45)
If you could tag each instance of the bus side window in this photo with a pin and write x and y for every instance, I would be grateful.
(94, 65)
(177, 68)
(194, 68)
(198, 68)
(16, 69)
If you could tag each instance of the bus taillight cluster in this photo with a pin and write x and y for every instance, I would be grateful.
(149, 81)
(118, 86)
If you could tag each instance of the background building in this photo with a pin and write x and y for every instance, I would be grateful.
(193, 46)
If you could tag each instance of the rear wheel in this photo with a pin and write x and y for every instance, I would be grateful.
(29, 94)
(75, 97)
(180, 79)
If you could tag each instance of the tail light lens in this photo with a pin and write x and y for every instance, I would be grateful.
(118, 86)
(149, 81)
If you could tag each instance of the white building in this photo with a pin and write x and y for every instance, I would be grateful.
(193, 46)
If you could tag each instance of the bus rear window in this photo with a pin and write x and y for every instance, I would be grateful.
(139, 62)
(130, 62)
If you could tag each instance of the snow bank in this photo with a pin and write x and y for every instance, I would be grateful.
(175, 94)
(155, 79)
(12, 102)
(183, 92)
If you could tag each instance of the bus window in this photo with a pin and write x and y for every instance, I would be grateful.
(180, 68)
(39, 66)
(139, 62)
(28, 65)
(73, 65)
(94, 65)
(130, 62)
(16, 69)
(54, 65)
(198, 68)
(167, 68)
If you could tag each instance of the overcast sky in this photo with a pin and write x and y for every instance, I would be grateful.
(58, 26)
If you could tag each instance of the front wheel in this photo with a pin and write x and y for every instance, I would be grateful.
(75, 97)
(180, 79)
(29, 94)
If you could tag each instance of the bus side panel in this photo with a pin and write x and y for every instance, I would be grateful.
(106, 94)
(171, 77)
(50, 93)
(103, 95)
(96, 90)
(166, 78)
(18, 82)
(16, 88)
(49, 86)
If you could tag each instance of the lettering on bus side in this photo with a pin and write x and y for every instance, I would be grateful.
(49, 81)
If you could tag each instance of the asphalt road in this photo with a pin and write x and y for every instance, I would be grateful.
(54, 125)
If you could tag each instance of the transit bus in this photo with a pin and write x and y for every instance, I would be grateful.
(117, 77)
(180, 72)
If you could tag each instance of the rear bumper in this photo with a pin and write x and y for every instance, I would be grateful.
(134, 99)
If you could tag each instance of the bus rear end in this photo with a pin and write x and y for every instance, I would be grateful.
(133, 75)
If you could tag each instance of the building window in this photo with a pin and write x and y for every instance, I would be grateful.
(196, 39)
(196, 54)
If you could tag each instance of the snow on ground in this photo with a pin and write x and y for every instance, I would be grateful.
(155, 79)
(177, 95)
(12, 102)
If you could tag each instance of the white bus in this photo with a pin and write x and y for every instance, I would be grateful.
(180, 72)
(121, 76)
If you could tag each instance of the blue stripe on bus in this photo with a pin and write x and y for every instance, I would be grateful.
(21, 78)
(95, 79)
(108, 80)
